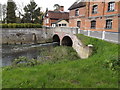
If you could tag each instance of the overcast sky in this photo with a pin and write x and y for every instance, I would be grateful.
(45, 3)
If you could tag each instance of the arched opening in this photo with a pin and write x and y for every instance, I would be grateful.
(67, 41)
(56, 39)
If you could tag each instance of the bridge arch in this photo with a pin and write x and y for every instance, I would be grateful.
(67, 41)
(56, 39)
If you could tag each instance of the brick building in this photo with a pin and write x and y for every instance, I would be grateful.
(53, 16)
(77, 15)
(95, 16)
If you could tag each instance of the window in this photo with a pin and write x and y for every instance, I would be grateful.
(78, 24)
(77, 12)
(64, 25)
(94, 10)
(93, 24)
(109, 24)
(47, 20)
(111, 6)
(59, 25)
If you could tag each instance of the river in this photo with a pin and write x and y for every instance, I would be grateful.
(11, 52)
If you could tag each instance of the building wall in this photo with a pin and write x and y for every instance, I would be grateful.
(119, 16)
(46, 22)
(73, 19)
(52, 21)
(100, 17)
(64, 22)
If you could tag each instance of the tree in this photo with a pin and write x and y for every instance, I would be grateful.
(3, 11)
(11, 8)
(0, 12)
(32, 13)
(57, 7)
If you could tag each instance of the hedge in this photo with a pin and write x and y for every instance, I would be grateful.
(20, 25)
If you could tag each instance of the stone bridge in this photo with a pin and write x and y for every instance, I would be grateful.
(62, 35)
(66, 36)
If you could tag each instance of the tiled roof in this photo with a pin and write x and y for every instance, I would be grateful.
(58, 15)
(78, 5)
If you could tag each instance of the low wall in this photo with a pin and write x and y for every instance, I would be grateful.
(25, 35)
(107, 36)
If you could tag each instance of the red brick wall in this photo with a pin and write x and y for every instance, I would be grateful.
(100, 8)
(73, 19)
(44, 22)
(102, 16)
(119, 16)
(50, 22)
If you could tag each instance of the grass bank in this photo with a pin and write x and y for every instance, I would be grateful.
(94, 72)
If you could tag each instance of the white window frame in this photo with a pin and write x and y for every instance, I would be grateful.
(111, 6)
(47, 20)
(109, 24)
(77, 12)
(95, 9)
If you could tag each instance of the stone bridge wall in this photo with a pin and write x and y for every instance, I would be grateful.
(25, 35)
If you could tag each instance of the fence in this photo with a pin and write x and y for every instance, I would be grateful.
(107, 36)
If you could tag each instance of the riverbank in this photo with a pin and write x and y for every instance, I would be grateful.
(98, 71)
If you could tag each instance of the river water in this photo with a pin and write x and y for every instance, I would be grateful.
(11, 52)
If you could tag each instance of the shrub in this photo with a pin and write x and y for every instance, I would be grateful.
(21, 25)
(23, 61)
(113, 63)
(58, 54)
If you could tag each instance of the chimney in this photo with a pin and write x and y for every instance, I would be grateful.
(61, 8)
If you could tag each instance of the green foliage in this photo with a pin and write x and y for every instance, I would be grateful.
(64, 52)
(23, 61)
(113, 63)
(21, 25)
(11, 7)
(59, 53)
(32, 13)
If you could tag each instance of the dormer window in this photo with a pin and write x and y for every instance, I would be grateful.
(111, 6)
(77, 12)
(95, 9)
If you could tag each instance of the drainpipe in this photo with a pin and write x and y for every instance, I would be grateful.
(88, 7)
(103, 32)
(103, 7)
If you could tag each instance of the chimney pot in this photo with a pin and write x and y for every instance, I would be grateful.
(61, 8)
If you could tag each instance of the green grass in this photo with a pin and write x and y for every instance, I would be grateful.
(88, 73)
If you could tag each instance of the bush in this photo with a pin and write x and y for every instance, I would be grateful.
(23, 61)
(57, 54)
(113, 63)
(21, 25)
